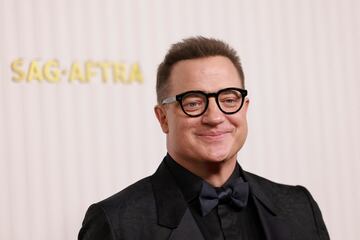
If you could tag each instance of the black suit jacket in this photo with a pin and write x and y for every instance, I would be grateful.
(154, 208)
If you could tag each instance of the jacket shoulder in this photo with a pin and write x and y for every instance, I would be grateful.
(264, 181)
(283, 195)
(277, 190)
(124, 213)
(294, 202)
(133, 195)
(131, 205)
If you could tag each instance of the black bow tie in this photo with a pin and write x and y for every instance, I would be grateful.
(236, 193)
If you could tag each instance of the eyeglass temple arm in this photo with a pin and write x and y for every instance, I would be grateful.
(169, 100)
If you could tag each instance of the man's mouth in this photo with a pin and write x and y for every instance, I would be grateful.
(213, 135)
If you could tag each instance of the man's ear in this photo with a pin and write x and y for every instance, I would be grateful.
(162, 118)
(246, 104)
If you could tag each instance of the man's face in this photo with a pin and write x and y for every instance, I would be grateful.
(213, 136)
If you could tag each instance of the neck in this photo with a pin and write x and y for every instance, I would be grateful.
(215, 173)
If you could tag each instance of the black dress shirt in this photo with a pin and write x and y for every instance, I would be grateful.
(223, 222)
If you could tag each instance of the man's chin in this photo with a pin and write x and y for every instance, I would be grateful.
(216, 158)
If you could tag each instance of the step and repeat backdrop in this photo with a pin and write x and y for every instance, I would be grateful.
(77, 91)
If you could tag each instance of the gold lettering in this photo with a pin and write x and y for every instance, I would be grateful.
(76, 73)
(104, 66)
(16, 66)
(51, 71)
(34, 72)
(135, 74)
(89, 70)
(119, 71)
(83, 72)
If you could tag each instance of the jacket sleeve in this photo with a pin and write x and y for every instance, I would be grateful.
(319, 221)
(95, 225)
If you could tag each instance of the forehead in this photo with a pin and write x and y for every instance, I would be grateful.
(206, 74)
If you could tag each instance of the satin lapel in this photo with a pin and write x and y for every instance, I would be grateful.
(172, 209)
(187, 229)
(272, 220)
(275, 228)
(170, 203)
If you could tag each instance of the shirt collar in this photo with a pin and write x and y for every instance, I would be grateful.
(189, 183)
(171, 212)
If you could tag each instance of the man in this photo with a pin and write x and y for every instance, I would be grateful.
(199, 190)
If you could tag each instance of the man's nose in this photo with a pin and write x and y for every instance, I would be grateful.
(213, 115)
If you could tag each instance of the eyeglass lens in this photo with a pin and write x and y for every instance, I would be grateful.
(195, 104)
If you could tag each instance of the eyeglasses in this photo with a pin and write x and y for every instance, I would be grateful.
(195, 103)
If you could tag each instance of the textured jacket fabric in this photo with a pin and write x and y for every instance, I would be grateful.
(154, 208)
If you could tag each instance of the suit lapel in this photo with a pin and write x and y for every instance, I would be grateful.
(173, 212)
(187, 229)
(275, 228)
(172, 209)
(274, 225)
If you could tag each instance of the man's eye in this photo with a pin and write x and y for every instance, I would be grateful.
(230, 101)
(192, 104)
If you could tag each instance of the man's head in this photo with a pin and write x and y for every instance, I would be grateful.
(193, 48)
(217, 132)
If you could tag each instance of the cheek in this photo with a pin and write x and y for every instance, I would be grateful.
(240, 125)
(237, 120)
(183, 128)
(177, 124)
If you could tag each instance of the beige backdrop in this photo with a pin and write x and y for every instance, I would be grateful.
(77, 82)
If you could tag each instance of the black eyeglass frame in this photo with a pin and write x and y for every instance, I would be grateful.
(180, 96)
